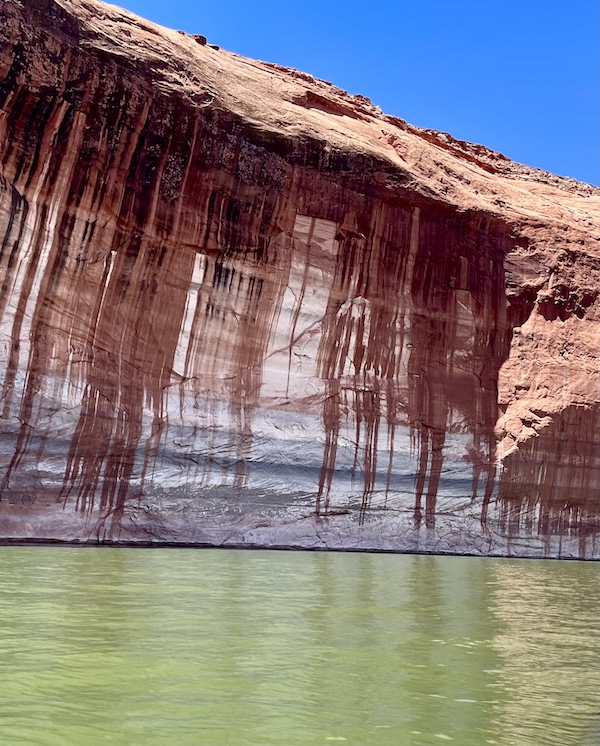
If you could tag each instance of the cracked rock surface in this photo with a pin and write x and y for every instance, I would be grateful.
(241, 307)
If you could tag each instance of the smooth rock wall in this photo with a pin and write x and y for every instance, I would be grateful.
(215, 332)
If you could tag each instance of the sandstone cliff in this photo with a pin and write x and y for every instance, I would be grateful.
(240, 306)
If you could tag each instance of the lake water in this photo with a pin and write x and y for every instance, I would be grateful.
(253, 648)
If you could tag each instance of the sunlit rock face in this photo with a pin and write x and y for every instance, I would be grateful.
(241, 307)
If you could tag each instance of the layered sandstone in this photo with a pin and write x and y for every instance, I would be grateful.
(240, 306)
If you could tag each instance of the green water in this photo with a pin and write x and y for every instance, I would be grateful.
(242, 648)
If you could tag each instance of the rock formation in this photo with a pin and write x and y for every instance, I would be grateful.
(242, 307)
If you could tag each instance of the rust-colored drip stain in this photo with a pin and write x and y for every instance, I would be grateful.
(299, 325)
(416, 340)
(550, 486)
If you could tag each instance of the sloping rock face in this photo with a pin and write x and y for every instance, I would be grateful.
(241, 307)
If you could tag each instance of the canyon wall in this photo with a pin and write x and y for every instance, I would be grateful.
(242, 307)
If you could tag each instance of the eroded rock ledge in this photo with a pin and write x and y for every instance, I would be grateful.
(240, 306)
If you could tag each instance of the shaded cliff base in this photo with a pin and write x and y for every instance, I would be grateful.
(262, 521)
(543, 502)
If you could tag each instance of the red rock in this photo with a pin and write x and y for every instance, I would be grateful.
(240, 306)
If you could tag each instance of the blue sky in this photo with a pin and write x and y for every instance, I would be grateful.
(520, 76)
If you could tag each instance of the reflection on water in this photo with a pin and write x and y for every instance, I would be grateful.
(550, 651)
(145, 647)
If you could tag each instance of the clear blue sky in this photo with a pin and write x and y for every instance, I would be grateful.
(520, 76)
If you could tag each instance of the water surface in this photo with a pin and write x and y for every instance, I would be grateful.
(211, 647)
